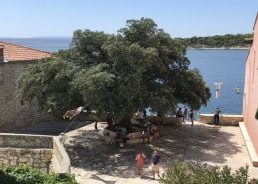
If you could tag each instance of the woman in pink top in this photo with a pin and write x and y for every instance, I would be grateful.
(140, 162)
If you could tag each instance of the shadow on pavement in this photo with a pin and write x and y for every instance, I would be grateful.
(199, 143)
(95, 177)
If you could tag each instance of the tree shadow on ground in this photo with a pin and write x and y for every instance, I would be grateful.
(95, 177)
(199, 143)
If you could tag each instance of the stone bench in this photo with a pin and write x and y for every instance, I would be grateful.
(134, 137)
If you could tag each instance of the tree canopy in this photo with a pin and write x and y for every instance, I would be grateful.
(141, 66)
(217, 41)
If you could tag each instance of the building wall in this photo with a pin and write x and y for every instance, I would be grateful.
(250, 103)
(13, 115)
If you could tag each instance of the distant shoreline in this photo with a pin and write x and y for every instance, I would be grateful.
(219, 48)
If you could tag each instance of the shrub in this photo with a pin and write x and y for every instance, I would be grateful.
(28, 175)
(195, 173)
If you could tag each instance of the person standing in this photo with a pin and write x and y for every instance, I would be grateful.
(144, 112)
(140, 163)
(140, 117)
(216, 116)
(192, 116)
(155, 160)
(179, 113)
(185, 118)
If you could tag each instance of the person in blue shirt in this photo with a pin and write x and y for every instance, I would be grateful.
(155, 160)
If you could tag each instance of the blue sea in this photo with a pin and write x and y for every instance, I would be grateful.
(226, 66)
(215, 65)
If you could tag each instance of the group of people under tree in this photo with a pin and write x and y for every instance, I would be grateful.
(155, 163)
(184, 114)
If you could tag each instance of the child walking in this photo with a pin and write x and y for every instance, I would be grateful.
(140, 163)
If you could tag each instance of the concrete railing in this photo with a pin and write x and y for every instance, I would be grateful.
(62, 157)
(225, 119)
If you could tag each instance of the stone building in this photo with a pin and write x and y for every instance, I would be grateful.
(13, 61)
(250, 98)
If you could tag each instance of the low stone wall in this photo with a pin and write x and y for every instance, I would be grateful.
(224, 120)
(37, 158)
(173, 121)
(64, 163)
(34, 150)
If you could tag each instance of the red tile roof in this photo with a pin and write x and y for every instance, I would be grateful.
(13, 52)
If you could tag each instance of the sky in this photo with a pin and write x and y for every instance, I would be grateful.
(180, 18)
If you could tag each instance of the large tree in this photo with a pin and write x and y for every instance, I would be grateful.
(140, 67)
(50, 84)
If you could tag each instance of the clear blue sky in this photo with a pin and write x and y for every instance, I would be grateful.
(180, 18)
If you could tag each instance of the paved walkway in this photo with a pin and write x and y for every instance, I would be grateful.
(96, 162)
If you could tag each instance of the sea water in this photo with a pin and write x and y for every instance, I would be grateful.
(226, 66)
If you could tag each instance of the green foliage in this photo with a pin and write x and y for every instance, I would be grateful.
(140, 67)
(28, 175)
(49, 83)
(194, 173)
(216, 41)
(256, 114)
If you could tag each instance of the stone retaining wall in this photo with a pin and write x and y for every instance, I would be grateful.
(224, 120)
(173, 121)
(34, 150)
(37, 158)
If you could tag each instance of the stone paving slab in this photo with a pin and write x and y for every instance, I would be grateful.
(97, 162)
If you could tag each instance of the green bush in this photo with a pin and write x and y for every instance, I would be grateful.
(195, 173)
(28, 175)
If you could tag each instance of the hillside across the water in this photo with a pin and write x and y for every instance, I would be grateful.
(217, 41)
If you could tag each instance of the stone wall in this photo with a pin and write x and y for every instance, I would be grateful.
(224, 120)
(25, 149)
(37, 158)
(39, 151)
(170, 120)
(13, 115)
